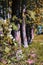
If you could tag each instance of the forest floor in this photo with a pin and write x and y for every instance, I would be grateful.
(33, 55)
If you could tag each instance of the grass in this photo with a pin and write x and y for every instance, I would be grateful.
(33, 52)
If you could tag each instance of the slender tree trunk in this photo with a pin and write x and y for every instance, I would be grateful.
(24, 31)
(17, 36)
(32, 32)
(28, 32)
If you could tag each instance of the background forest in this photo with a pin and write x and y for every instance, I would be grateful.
(21, 32)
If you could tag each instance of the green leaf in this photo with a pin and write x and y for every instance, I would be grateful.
(7, 50)
(14, 26)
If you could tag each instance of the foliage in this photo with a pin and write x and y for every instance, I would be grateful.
(30, 54)
(10, 53)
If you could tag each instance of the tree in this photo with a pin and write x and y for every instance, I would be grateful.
(24, 28)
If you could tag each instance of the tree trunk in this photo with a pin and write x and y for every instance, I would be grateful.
(24, 31)
(17, 36)
(32, 32)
